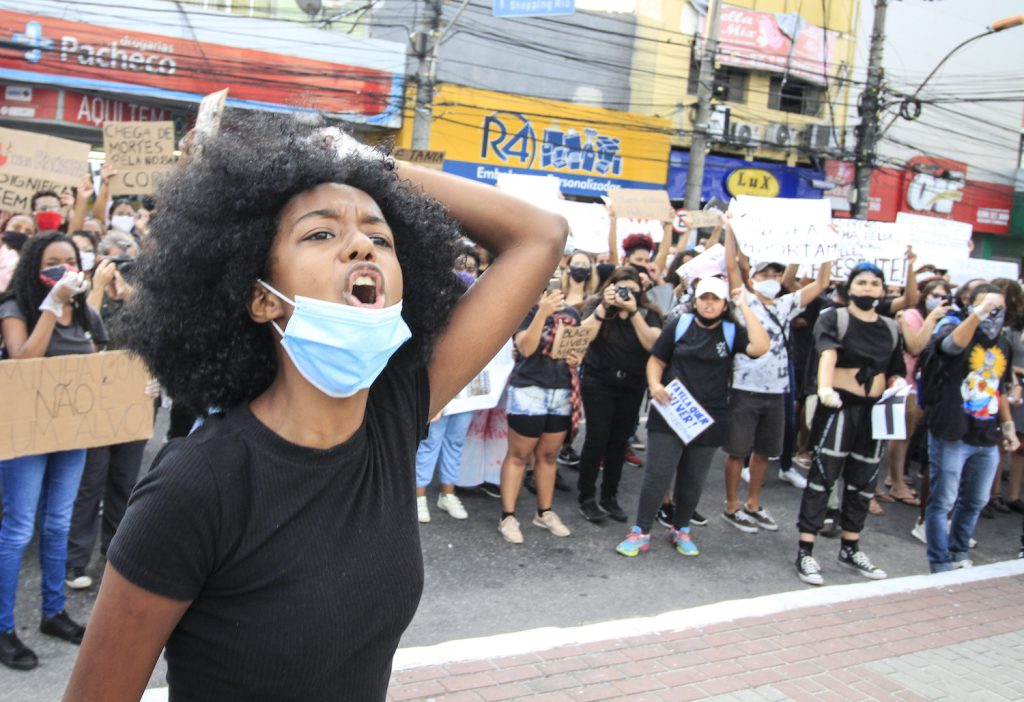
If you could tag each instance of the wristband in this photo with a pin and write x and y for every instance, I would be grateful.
(1008, 427)
(599, 317)
(630, 315)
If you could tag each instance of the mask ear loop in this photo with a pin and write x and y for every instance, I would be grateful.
(281, 295)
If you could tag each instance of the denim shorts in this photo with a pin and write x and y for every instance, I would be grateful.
(533, 411)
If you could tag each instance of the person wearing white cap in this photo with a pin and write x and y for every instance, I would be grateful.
(698, 351)
(757, 400)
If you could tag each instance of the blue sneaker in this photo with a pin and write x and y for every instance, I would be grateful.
(636, 542)
(683, 543)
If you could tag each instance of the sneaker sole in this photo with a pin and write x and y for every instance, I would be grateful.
(593, 520)
(689, 554)
(810, 579)
(79, 584)
(702, 522)
(864, 573)
(509, 540)
(642, 549)
(537, 523)
(742, 527)
(767, 527)
(464, 515)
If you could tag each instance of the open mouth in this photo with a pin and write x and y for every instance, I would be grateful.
(365, 287)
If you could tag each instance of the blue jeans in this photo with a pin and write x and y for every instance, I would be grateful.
(961, 476)
(446, 438)
(47, 484)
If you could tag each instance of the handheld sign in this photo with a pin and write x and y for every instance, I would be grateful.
(72, 402)
(570, 340)
(635, 203)
(889, 415)
(31, 162)
(211, 111)
(142, 153)
(881, 243)
(784, 230)
(683, 413)
(486, 389)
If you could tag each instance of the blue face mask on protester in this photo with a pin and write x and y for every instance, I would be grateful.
(340, 349)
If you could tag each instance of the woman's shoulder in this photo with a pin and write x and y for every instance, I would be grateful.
(11, 308)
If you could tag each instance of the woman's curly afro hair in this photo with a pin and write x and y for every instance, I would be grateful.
(211, 239)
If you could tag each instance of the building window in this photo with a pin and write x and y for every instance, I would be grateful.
(245, 8)
(730, 83)
(795, 96)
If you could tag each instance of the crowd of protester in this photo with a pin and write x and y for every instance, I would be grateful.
(788, 369)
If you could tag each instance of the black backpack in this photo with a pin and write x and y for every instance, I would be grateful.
(932, 369)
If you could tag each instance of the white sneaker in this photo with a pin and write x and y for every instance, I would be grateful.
(510, 531)
(451, 504)
(552, 523)
(965, 563)
(793, 477)
(745, 474)
(808, 570)
(422, 511)
(918, 532)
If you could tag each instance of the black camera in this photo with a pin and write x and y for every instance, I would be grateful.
(623, 292)
(119, 261)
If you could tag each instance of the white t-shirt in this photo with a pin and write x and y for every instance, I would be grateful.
(768, 373)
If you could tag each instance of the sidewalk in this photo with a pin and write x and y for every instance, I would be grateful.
(954, 636)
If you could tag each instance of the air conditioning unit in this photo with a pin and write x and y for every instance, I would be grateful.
(780, 136)
(818, 137)
(744, 134)
(718, 123)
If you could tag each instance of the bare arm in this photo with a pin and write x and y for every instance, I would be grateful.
(910, 294)
(789, 281)
(827, 367)
(99, 207)
(731, 262)
(528, 241)
(127, 630)
(613, 237)
(528, 339)
(820, 285)
(655, 372)
(716, 234)
(666, 243)
(644, 331)
(21, 344)
(915, 341)
(758, 340)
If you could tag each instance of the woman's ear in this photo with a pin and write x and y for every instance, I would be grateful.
(264, 306)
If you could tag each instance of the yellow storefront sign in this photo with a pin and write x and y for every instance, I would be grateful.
(753, 181)
(590, 149)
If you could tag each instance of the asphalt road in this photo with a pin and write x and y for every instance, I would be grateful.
(477, 585)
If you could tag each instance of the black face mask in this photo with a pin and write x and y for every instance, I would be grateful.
(864, 302)
(708, 321)
(15, 240)
(604, 270)
(580, 274)
(640, 268)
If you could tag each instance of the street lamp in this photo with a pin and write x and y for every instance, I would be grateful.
(905, 105)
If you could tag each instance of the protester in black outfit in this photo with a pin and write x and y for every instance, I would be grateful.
(613, 387)
(275, 551)
(859, 351)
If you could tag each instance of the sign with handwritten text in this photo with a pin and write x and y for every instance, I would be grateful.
(683, 413)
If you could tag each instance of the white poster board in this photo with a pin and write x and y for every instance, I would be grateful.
(711, 259)
(784, 230)
(882, 243)
(588, 224)
(943, 243)
(625, 226)
(485, 390)
(683, 413)
(971, 268)
(535, 189)
(889, 415)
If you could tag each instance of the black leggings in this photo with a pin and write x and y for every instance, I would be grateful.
(611, 409)
(842, 445)
(668, 457)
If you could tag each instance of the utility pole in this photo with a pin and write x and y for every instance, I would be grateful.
(870, 107)
(425, 41)
(701, 128)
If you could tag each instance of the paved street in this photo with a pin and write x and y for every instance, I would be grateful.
(479, 586)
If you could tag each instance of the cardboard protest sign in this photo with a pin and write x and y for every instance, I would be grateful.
(211, 111)
(711, 259)
(944, 243)
(683, 413)
(971, 268)
(698, 219)
(784, 230)
(571, 340)
(882, 243)
(70, 402)
(485, 390)
(141, 152)
(639, 203)
(31, 162)
(421, 157)
(889, 415)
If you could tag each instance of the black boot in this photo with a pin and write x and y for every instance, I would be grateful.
(15, 654)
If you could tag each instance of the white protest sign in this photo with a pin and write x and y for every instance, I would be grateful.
(211, 111)
(683, 413)
(535, 189)
(588, 224)
(971, 268)
(711, 259)
(485, 390)
(625, 226)
(943, 243)
(784, 230)
(889, 415)
(881, 243)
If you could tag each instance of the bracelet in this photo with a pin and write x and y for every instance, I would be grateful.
(599, 317)
(630, 315)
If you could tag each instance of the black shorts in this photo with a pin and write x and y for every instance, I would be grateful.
(533, 426)
(756, 423)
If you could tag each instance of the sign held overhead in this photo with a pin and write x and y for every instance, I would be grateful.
(141, 152)
(640, 203)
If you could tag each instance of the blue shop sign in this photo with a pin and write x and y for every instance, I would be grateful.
(791, 181)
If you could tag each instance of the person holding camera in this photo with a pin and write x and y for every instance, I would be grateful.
(42, 315)
(613, 387)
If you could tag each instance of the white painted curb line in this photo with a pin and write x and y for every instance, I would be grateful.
(546, 638)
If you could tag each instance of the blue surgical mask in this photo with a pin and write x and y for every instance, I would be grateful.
(340, 349)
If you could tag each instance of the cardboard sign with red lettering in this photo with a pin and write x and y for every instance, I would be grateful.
(142, 153)
(31, 162)
(73, 402)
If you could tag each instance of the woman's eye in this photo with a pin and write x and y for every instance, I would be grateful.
(320, 236)
(380, 240)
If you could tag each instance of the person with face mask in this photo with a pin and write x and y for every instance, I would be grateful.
(42, 315)
(757, 408)
(579, 281)
(860, 352)
(698, 350)
(967, 424)
(16, 231)
(326, 321)
(47, 211)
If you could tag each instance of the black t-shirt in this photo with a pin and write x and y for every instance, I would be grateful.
(303, 565)
(702, 362)
(867, 346)
(66, 340)
(616, 346)
(968, 402)
(539, 369)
